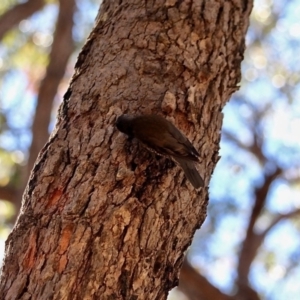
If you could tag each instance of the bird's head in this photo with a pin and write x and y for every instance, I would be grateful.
(124, 124)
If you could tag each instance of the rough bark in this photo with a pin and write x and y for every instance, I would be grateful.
(61, 51)
(103, 218)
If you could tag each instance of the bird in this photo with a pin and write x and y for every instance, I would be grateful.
(160, 136)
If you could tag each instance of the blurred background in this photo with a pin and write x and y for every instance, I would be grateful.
(252, 231)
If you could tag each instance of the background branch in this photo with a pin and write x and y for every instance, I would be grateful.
(18, 13)
(252, 240)
(197, 287)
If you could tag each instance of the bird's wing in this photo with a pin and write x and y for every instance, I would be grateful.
(163, 138)
(183, 147)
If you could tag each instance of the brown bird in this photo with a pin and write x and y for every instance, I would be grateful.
(162, 137)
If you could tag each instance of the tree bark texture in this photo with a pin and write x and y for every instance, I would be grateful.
(61, 51)
(102, 218)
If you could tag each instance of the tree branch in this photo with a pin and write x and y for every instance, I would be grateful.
(196, 286)
(279, 218)
(101, 222)
(18, 13)
(8, 193)
(256, 241)
(255, 148)
(252, 240)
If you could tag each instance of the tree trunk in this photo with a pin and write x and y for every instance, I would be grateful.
(102, 218)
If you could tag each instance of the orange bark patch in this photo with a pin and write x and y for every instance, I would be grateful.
(55, 196)
(30, 255)
(62, 202)
(63, 245)
(65, 238)
(62, 263)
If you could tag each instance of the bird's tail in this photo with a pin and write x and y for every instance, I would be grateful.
(191, 172)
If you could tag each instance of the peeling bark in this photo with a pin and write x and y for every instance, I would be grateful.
(102, 218)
